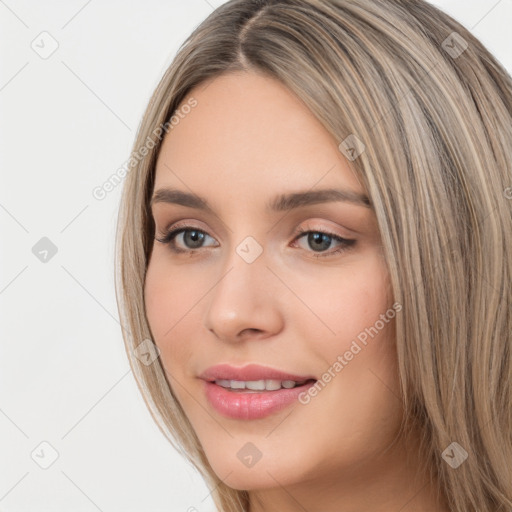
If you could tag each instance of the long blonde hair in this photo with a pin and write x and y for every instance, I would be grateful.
(434, 110)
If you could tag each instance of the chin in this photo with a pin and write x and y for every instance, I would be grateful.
(271, 470)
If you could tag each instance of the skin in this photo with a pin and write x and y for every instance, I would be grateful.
(247, 140)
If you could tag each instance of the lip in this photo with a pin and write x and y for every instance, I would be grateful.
(249, 372)
(245, 405)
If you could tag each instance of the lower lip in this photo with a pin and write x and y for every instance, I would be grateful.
(251, 406)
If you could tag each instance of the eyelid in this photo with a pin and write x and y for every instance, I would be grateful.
(172, 226)
(180, 227)
(345, 243)
(177, 228)
(315, 225)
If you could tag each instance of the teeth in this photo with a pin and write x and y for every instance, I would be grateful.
(258, 385)
(272, 385)
(255, 385)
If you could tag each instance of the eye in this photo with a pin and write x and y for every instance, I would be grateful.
(192, 239)
(320, 240)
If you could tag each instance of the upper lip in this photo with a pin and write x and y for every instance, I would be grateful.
(249, 372)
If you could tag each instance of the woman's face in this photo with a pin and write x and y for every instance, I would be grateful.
(253, 281)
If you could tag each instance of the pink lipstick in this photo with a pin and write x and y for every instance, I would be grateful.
(252, 391)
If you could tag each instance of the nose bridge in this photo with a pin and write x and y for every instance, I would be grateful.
(246, 262)
(244, 277)
(241, 299)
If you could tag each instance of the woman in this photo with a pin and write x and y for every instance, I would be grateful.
(314, 254)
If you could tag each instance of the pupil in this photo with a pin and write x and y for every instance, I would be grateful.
(195, 237)
(318, 238)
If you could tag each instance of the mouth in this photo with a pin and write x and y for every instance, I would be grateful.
(260, 386)
(252, 391)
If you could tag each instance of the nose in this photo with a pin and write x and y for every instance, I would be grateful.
(244, 303)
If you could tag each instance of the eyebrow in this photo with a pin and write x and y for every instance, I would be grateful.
(280, 203)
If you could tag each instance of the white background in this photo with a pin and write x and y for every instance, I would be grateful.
(67, 123)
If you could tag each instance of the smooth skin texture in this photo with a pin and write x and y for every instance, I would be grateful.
(296, 308)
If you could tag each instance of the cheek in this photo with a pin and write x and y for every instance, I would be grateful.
(348, 300)
(170, 296)
(358, 346)
(170, 292)
(157, 299)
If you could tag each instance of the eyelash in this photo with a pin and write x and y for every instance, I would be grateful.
(169, 237)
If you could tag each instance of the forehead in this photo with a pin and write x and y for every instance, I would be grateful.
(248, 132)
